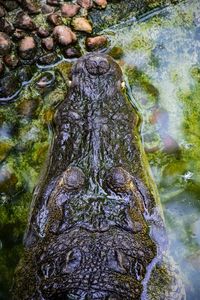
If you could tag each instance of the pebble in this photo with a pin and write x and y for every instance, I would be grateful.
(69, 10)
(19, 34)
(11, 60)
(5, 43)
(82, 24)
(85, 3)
(46, 80)
(9, 85)
(72, 53)
(101, 3)
(46, 9)
(32, 6)
(27, 47)
(24, 21)
(48, 43)
(54, 19)
(6, 26)
(64, 35)
(1, 68)
(53, 2)
(10, 4)
(43, 32)
(2, 11)
(47, 59)
(96, 42)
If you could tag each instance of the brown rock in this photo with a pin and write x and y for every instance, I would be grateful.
(5, 43)
(53, 2)
(24, 21)
(32, 6)
(43, 32)
(19, 34)
(85, 3)
(48, 43)
(69, 10)
(2, 12)
(47, 59)
(10, 4)
(72, 53)
(11, 60)
(64, 35)
(96, 42)
(6, 26)
(46, 9)
(27, 47)
(82, 24)
(54, 19)
(101, 3)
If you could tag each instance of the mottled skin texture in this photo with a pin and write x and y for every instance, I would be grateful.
(95, 231)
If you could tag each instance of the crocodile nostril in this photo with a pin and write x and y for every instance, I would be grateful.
(97, 65)
(73, 179)
(118, 179)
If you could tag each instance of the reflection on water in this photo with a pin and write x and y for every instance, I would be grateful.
(161, 64)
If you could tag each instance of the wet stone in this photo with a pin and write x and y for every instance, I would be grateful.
(55, 19)
(47, 59)
(69, 10)
(97, 42)
(48, 43)
(5, 43)
(9, 85)
(31, 6)
(85, 3)
(6, 26)
(11, 60)
(82, 24)
(54, 2)
(27, 47)
(43, 32)
(2, 11)
(101, 3)
(19, 34)
(72, 53)
(9, 4)
(46, 80)
(24, 21)
(64, 35)
(46, 9)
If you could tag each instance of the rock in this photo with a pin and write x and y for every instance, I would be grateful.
(31, 6)
(6, 26)
(26, 73)
(69, 10)
(54, 19)
(11, 60)
(27, 47)
(85, 3)
(46, 9)
(82, 24)
(101, 3)
(170, 146)
(5, 43)
(53, 2)
(46, 81)
(72, 53)
(97, 42)
(48, 43)
(9, 85)
(47, 59)
(43, 32)
(9, 4)
(64, 35)
(24, 21)
(1, 68)
(19, 34)
(2, 11)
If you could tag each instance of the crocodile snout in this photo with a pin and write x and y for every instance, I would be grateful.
(97, 65)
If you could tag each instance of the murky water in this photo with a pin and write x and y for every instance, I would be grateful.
(161, 63)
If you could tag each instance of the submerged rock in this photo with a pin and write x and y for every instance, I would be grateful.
(64, 35)
(24, 21)
(85, 3)
(97, 42)
(82, 24)
(69, 9)
(27, 47)
(48, 43)
(5, 43)
(9, 85)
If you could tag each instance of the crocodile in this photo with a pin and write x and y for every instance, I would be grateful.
(96, 228)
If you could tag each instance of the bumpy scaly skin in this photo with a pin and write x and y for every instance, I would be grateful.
(95, 231)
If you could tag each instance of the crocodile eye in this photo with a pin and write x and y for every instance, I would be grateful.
(73, 179)
(118, 179)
